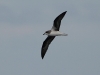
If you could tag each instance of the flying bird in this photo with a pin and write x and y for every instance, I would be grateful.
(52, 33)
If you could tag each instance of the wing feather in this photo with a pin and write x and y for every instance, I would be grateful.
(45, 45)
(57, 21)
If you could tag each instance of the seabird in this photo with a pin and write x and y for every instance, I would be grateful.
(52, 33)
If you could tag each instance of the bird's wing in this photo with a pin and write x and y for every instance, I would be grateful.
(57, 21)
(45, 45)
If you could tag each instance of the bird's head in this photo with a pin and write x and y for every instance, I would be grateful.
(47, 32)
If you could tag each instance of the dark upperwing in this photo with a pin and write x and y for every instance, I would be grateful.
(57, 21)
(45, 45)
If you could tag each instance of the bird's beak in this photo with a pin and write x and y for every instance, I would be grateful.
(44, 34)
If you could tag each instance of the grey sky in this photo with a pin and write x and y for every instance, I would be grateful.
(22, 24)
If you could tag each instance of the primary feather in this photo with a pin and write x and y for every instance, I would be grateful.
(45, 45)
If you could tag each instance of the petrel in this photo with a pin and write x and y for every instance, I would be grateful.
(52, 33)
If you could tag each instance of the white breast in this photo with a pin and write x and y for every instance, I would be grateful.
(57, 33)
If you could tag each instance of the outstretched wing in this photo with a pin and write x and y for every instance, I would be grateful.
(57, 21)
(45, 45)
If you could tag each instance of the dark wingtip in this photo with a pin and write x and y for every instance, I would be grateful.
(62, 14)
(42, 56)
(65, 12)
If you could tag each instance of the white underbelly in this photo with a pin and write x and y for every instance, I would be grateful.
(57, 33)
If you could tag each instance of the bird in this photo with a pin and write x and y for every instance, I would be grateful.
(51, 34)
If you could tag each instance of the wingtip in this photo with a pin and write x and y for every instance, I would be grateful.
(65, 12)
(42, 56)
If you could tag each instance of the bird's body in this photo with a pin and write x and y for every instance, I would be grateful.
(52, 34)
(56, 33)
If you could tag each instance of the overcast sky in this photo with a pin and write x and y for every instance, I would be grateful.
(22, 24)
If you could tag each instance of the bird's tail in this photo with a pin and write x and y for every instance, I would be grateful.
(64, 34)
